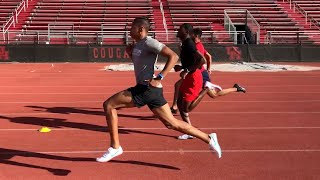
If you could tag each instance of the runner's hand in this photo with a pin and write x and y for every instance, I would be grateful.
(183, 74)
(177, 68)
(155, 82)
(129, 49)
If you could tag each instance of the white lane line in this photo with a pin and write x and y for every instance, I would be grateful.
(137, 128)
(149, 113)
(101, 101)
(170, 151)
(126, 86)
(166, 92)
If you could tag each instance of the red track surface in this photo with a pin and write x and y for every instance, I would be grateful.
(271, 132)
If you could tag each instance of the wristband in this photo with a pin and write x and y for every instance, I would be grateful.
(160, 76)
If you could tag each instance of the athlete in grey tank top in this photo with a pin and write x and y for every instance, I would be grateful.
(144, 56)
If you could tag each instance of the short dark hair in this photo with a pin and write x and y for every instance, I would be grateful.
(188, 27)
(197, 32)
(142, 21)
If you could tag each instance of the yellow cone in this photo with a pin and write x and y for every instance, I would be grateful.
(44, 129)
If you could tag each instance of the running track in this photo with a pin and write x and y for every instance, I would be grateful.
(271, 132)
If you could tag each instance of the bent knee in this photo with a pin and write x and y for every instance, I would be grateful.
(107, 104)
(213, 94)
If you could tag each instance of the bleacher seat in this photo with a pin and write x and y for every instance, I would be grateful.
(82, 16)
(203, 14)
(114, 16)
(86, 15)
(7, 8)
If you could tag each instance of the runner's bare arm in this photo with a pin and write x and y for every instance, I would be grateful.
(209, 61)
(199, 61)
(172, 60)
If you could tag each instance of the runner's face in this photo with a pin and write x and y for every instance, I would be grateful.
(181, 33)
(138, 32)
(196, 38)
(134, 32)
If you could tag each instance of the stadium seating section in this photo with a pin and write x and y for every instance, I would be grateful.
(116, 16)
(7, 9)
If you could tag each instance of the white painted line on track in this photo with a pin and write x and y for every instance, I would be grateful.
(171, 151)
(149, 113)
(135, 128)
(104, 93)
(101, 101)
(126, 86)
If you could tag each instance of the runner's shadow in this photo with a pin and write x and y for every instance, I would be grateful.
(69, 110)
(7, 154)
(63, 123)
(146, 164)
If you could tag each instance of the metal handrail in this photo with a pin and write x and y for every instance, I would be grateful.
(257, 24)
(302, 11)
(297, 34)
(164, 20)
(230, 23)
(13, 19)
(46, 36)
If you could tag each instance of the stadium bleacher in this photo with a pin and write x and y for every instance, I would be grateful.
(86, 15)
(115, 16)
(209, 14)
(7, 9)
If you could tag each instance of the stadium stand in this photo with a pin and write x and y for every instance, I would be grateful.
(85, 16)
(311, 8)
(8, 13)
(209, 15)
(310, 11)
(7, 10)
(278, 22)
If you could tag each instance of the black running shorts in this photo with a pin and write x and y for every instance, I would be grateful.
(147, 95)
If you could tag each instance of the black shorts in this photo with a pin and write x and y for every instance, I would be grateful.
(147, 95)
(205, 77)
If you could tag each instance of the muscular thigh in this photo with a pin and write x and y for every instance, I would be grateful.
(182, 104)
(122, 99)
(164, 114)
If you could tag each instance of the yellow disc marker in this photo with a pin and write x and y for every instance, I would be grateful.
(44, 129)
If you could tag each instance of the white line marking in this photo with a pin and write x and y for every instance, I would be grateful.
(173, 151)
(216, 128)
(270, 92)
(51, 102)
(149, 113)
(126, 86)
(212, 101)
(113, 76)
(104, 93)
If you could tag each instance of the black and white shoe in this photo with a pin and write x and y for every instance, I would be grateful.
(239, 88)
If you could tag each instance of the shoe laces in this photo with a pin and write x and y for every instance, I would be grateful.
(108, 151)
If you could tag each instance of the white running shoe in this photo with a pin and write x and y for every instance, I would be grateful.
(111, 153)
(185, 136)
(214, 145)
